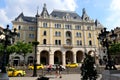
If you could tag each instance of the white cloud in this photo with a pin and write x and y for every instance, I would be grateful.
(114, 14)
(14, 7)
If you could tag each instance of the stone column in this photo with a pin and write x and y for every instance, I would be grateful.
(51, 58)
(74, 57)
(38, 58)
(63, 59)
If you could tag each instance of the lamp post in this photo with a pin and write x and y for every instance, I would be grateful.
(103, 38)
(9, 38)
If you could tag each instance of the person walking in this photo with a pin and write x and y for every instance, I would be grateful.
(57, 71)
(60, 70)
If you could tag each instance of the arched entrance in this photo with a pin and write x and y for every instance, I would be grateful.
(16, 61)
(44, 57)
(58, 57)
(30, 60)
(69, 57)
(79, 56)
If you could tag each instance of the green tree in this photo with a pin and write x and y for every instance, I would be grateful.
(24, 48)
(115, 49)
(10, 49)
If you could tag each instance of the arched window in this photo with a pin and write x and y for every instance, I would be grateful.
(44, 41)
(44, 33)
(90, 43)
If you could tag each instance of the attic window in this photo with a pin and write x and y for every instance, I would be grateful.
(75, 17)
(55, 15)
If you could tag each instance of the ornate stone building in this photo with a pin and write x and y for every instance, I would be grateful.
(64, 36)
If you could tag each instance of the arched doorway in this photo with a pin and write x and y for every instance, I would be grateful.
(69, 57)
(30, 60)
(44, 57)
(58, 57)
(79, 56)
(16, 61)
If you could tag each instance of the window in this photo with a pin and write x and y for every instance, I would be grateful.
(44, 33)
(57, 33)
(68, 26)
(44, 24)
(89, 28)
(57, 42)
(18, 35)
(78, 34)
(77, 27)
(90, 43)
(57, 25)
(44, 41)
(31, 28)
(19, 27)
(89, 35)
(31, 36)
(79, 42)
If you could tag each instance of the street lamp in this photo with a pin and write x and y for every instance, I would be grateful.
(103, 38)
(9, 38)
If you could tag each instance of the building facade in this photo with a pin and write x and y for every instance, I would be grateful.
(63, 36)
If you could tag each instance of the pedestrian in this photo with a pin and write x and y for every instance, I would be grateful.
(60, 70)
(49, 68)
(57, 71)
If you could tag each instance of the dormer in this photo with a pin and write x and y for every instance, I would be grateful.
(44, 13)
(20, 17)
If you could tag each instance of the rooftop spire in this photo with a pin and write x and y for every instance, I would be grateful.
(37, 15)
(44, 12)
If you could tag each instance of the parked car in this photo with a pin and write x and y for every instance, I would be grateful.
(53, 67)
(72, 65)
(12, 72)
(39, 66)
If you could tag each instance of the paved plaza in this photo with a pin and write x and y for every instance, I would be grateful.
(53, 77)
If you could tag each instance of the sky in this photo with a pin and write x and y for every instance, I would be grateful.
(107, 12)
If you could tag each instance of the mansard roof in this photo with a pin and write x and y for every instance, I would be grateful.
(26, 18)
(62, 14)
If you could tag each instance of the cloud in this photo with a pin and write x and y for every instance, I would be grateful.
(114, 14)
(14, 7)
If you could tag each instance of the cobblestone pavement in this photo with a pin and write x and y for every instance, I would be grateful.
(53, 77)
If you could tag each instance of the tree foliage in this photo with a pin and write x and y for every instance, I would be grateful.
(115, 49)
(23, 48)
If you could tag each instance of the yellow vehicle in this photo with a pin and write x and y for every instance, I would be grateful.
(12, 72)
(39, 66)
(72, 65)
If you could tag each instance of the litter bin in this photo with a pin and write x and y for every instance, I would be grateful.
(43, 78)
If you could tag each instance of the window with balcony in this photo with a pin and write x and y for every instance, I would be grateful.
(68, 42)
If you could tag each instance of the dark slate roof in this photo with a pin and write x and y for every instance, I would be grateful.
(29, 19)
(61, 14)
(26, 18)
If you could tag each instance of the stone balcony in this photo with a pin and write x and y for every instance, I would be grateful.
(66, 46)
